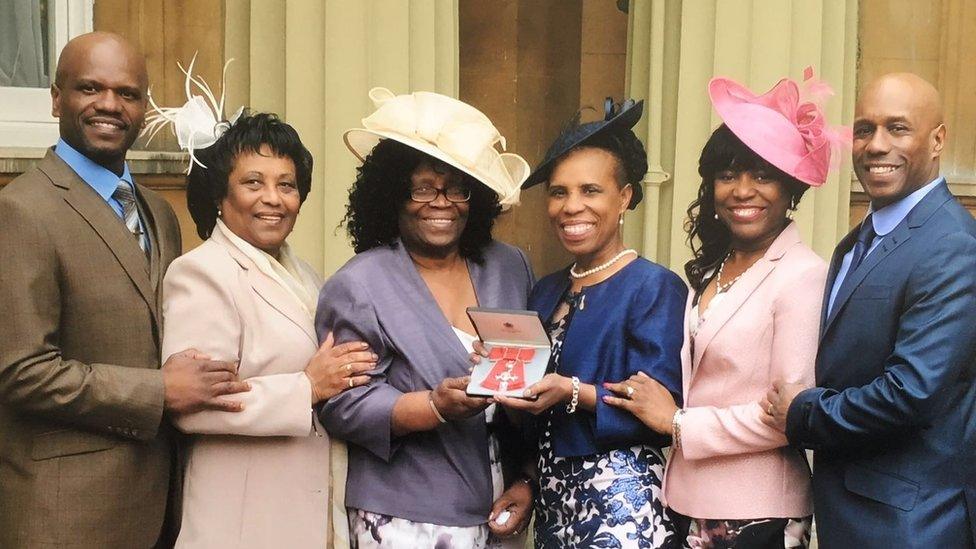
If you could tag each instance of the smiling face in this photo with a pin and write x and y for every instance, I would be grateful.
(262, 201)
(433, 229)
(99, 97)
(753, 205)
(898, 138)
(585, 204)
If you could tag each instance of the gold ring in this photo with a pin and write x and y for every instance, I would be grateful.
(769, 409)
(350, 383)
(630, 391)
(349, 367)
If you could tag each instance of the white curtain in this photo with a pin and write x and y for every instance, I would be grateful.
(22, 51)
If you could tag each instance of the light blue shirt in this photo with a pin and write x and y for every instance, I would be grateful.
(98, 177)
(884, 221)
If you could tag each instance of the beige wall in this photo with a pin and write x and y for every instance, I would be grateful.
(603, 54)
(899, 35)
(520, 64)
(530, 65)
(935, 39)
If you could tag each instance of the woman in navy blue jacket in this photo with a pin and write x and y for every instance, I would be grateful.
(610, 315)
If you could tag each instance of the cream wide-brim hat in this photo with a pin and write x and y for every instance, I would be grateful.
(446, 129)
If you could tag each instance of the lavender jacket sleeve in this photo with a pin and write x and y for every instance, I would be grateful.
(379, 297)
(362, 415)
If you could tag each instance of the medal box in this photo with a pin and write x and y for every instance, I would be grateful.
(518, 351)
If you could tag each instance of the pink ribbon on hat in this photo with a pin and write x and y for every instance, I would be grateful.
(821, 143)
(809, 119)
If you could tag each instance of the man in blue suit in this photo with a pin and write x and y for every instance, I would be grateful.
(893, 420)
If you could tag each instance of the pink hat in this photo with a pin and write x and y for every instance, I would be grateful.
(789, 134)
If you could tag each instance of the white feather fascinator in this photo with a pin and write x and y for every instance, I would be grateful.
(200, 121)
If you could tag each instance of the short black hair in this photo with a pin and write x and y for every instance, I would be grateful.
(207, 186)
(723, 151)
(383, 185)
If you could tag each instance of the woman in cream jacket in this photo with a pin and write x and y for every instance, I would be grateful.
(258, 476)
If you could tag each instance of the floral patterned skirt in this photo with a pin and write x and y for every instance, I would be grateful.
(774, 533)
(610, 500)
(368, 530)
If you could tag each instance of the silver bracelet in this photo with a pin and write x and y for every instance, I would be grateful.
(574, 401)
(433, 407)
(676, 428)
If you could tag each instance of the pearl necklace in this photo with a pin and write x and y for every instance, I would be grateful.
(598, 268)
(722, 288)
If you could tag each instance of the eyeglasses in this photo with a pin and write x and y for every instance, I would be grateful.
(429, 194)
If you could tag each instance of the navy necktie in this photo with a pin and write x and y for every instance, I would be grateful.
(865, 236)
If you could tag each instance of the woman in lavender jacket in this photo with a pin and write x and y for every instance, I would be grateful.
(423, 460)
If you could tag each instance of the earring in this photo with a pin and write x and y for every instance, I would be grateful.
(793, 204)
(716, 216)
(621, 221)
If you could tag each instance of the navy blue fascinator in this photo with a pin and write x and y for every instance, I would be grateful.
(620, 119)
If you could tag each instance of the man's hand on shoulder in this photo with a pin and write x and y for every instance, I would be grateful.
(193, 382)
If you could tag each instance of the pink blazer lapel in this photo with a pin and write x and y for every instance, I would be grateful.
(740, 292)
(269, 290)
(736, 296)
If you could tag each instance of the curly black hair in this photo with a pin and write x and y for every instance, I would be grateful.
(709, 238)
(382, 187)
(207, 186)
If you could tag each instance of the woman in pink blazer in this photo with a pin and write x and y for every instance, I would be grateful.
(259, 476)
(752, 318)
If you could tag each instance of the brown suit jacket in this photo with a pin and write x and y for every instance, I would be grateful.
(84, 458)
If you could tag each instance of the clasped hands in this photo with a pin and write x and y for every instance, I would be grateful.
(640, 394)
(549, 391)
(646, 398)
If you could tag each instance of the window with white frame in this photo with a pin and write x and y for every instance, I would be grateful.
(32, 34)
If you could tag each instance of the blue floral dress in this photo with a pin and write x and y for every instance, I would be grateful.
(608, 500)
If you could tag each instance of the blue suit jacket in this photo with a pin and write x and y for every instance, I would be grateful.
(893, 419)
(631, 322)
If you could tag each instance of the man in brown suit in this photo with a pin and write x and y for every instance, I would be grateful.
(85, 455)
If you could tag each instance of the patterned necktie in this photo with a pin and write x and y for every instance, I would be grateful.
(123, 193)
(865, 236)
